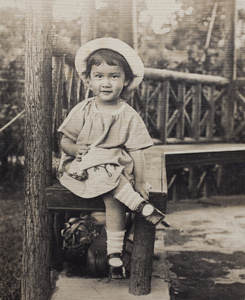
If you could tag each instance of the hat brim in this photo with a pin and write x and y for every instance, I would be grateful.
(130, 55)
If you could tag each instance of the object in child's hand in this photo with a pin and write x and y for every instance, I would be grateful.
(76, 172)
(81, 176)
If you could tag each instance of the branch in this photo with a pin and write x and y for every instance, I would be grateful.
(12, 121)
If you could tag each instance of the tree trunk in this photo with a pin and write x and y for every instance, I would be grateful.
(38, 88)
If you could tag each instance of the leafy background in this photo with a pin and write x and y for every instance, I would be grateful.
(174, 40)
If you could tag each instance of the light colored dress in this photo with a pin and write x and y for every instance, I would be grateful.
(111, 137)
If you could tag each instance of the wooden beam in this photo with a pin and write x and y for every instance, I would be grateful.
(61, 47)
(159, 74)
(35, 282)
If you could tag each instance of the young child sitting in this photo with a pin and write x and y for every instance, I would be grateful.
(103, 138)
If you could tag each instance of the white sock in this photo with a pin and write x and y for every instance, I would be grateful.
(115, 241)
(129, 197)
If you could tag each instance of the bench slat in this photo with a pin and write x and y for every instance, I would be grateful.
(179, 156)
(59, 198)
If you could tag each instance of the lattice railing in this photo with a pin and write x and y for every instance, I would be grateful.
(239, 110)
(181, 110)
(176, 107)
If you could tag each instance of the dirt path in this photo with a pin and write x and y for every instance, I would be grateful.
(205, 250)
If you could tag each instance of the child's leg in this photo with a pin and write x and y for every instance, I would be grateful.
(115, 213)
(115, 230)
(125, 193)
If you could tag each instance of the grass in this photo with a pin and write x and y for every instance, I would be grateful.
(11, 217)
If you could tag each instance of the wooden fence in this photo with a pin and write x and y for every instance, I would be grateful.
(176, 107)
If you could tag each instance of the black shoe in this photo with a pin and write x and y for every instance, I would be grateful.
(116, 267)
(154, 216)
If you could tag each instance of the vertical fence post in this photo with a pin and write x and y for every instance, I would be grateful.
(180, 132)
(210, 124)
(162, 111)
(38, 88)
(196, 111)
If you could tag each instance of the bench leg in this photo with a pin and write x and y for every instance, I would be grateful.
(193, 182)
(142, 258)
(143, 250)
(58, 224)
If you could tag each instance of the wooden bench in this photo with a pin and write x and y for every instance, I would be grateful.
(60, 199)
(158, 159)
(194, 156)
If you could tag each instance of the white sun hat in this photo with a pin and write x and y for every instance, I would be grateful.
(130, 55)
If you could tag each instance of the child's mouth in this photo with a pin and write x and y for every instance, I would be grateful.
(106, 92)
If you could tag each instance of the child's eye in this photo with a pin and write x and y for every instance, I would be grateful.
(115, 76)
(98, 76)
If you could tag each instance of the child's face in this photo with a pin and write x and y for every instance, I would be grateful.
(107, 82)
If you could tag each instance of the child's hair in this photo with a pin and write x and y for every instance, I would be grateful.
(112, 58)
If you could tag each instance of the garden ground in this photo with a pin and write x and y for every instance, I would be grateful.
(203, 249)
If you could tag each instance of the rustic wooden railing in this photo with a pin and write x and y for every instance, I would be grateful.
(176, 107)
(180, 107)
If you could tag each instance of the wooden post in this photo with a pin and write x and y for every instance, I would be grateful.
(144, 234)
(162, 111)
(143, 248)
(196, 111)
(89, 24)
(193, 182)
(229, 70)
(210, 124)
(126, 22)
(142, 258)
(38, 76)
(181, 101)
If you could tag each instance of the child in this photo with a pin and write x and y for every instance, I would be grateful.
(103, 138)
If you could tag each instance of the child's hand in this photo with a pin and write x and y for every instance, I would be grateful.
(140, 187)
(80, 151)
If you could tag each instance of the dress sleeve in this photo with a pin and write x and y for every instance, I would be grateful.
(72, 125)
(138, 136)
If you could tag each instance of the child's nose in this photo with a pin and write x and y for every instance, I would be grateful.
(106, 81)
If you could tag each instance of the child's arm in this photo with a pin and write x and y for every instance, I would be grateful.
(73, 149)
(139, 173)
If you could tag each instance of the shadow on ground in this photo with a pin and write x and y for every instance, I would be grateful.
(205, 252)
(206, 275)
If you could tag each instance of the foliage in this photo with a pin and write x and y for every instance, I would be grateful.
(12, 43)
(183, 47)
(11, 215)
(11, 91)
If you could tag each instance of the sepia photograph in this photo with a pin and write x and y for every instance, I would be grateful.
(122, 149)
